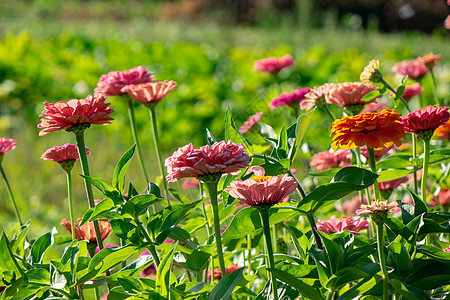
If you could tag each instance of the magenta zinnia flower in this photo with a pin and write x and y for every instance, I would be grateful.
(252, 120)
(112, 83)
(6, 145)
(328, 159)
(272, 64)
(262, 190)
(336, 225)
(317, 96)
(292, 98)
(425, 121)
(220, 158)
(414, 69)
(150, 93)
(66, 115)
(349, 94)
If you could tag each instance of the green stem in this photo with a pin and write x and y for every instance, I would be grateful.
(426, 160)
(158, 153)
(374, 169)
(212, 189)
(69, 199)
(380, 244)
(11, 195)
(329, 113)
(330, 294)
(416, 183)
(433, 88)
(299, 187)
(249, 257)
(135, 135)
(312, 224)
(264, 213)
(392, 90)
(152, 249)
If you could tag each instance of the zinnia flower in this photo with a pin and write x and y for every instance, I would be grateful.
(75, 114)
(86, 232)
(376, 130)
(412, 90)
(443, 198)
(336, 225)
(350, 94)
(443, 131)
(64, 155)
(272, 64)
(424, 121)
(414, 69)
(377, 153)
(350, 206)
(262, 190)
(150, 93)
(374, 107)
(220, 158)
(378, 211)
(191, 183)
(228, 270)
(387, 187)
(290, 99)
(317, 96)
(447, 26)
(328, 159)
(371, 72)
(6, 145)
(111, 84)
(430, 60)
(252, 121)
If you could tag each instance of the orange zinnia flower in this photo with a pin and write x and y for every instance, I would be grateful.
(376, 130)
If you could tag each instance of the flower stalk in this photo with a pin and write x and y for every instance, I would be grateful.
(426, 160)
(264, 213)
(313, 225)
(11, 195)
(70, 202)
(374, 169)
(433, 88)
(380, 245)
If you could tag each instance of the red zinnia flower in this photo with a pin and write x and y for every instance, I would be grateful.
(150, 93)
(111, 84)
(65, 115)
(414, 69)
(228, 270)
(290, 99)
(220, 158)
(425, 121)
(392, 184)
(336, 225)
(63, 153)
(376, 130)
(272, 64)
(86, 232)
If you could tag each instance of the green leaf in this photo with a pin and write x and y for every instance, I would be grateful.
(282, 147)
(38, 275)
(295, 140)
(210, 138)
(163, 272)
(103, 210)
(232, 134)
(300, 241)
(334, 252)
(347, 180)
(407, 291)
(276, 168)
(17, 244)
(398, 258)
(197, 260)
(138, 205)
(344, 276)
(121, 168)
(430, 275)
(361, 287)
(372, 95)
(434, 252)
(394, 162)
(387, 175)
(226, 285)
(304, 289)
(106, 189)
(41, 245)
(419, 206)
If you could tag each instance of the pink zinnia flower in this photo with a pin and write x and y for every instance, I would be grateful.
(66, 115)
(150, 93)
(6, 145)
(220, 158)
(412, 90)
(378, 153)
(292, 98)
(350, 93)
(443, 198)
(425, 121)
(336, 225)
(430, 60)
(374, 107)
(63, 153)
(392, 184)
(86, 232)
(272, 64)
(328, 159)
(317, 96)
(262, 190)
(228, 270)
(191, 183)
(447, 22)
(412, 68)
(252, 120)
(351, 206)
(111, 84)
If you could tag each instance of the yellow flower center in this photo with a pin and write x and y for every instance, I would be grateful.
(261, 178)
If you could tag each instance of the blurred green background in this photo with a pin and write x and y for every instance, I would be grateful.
(57, 50)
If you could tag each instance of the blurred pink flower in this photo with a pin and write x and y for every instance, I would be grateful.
(272, 64)
(220, 158)
(430, 60)
(262, 190)
(378, 153)
(252, 120)
(425, 121)
(412, 68)
(65, 115)
(443, 198)
(112, 83)
(317, 96)
(412, 90)
(350, 93)
(191, 183)
(374, 107)
(336, 225)
(392, 184)
(446, 249)
(86, 231)
(150, 93)
(443, 131)
(63, 153)
(350, 206)
(292, 98)
(447, 22)
(228, 270)
(6, 145)
(328, 159)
